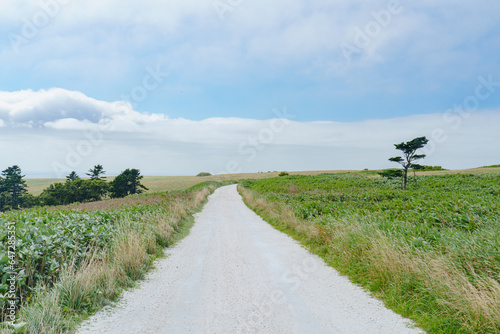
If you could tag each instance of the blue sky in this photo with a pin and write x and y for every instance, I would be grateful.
(336, 61)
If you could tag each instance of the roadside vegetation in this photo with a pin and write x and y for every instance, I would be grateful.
(68, 263)
(431, 253)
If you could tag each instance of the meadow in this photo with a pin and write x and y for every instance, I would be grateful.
(431, 253)
(65, 263)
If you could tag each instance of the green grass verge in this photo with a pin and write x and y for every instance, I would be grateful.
(106, 253)
(430, 253)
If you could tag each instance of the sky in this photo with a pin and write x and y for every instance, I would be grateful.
(183, 86)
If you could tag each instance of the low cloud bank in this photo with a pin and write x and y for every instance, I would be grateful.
(52, 132)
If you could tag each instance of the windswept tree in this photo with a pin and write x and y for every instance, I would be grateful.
(72, 176)
(410, 155)
(13, 186)
(96, 173)
(127, 183)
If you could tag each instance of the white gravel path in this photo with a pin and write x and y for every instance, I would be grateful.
(234, 273)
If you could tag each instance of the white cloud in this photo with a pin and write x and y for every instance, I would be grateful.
(105, 46)
(60, 108)
(282, 32)
(74, 132)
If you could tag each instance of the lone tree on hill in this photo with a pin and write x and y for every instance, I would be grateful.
(410, 155)
(96, 172)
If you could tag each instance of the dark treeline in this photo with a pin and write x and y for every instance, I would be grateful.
(14, 191)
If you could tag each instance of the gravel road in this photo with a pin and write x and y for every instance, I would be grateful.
(234, 273)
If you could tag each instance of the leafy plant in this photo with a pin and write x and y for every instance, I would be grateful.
(431, 252)
(79, 259)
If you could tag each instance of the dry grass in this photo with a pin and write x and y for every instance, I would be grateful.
(130, 252)
(112, 203)
(96, 276)
(462, 171)
(130, 201)
(94, 284)
(36, 186)
(172, 183)
(475, 302)
(44, 315)
(168, 183)
(160, 231)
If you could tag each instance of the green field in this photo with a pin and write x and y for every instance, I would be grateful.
(59, 265)
(431, 253)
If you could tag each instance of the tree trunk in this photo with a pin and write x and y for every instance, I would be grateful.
(405, 179)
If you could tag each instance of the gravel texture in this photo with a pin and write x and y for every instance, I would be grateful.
(234, 273)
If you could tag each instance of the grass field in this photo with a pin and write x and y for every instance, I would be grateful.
(36, 186)
(168, 183)
(68, 263)
(431, 253)
(153, 183)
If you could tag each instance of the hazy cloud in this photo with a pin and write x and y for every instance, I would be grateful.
(74, 132)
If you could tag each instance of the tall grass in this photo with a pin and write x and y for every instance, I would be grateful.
(140, 233)
(449, 286)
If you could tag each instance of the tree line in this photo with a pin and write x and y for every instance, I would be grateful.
(14, 190)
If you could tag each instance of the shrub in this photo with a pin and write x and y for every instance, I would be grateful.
(491, 166)
(391, 173)
(431, 168)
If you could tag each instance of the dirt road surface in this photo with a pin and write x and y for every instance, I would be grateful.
(234, 273)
